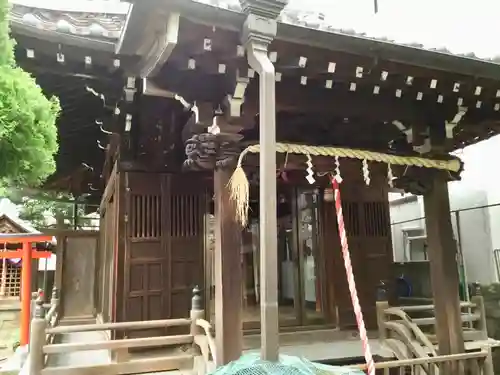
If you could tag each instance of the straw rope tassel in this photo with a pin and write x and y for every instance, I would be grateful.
(239, 187)
(239, 191)
(350, 280)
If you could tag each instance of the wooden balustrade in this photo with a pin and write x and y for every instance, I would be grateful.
(206, 343)
(430, 307)
(412, 338)
(199, 338)
(202, 355)
(473, 319)
(475, 363)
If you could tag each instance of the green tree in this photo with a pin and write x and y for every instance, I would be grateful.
(28, 133)
(40, 209)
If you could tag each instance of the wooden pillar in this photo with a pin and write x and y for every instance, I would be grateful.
(26, 292)
(3, 282)
(37, 339)
(442, 251)
(120, 275)
(228, 322)
(60, 252)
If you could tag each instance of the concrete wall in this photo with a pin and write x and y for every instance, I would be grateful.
(403, 211)
(479, 228)
(480, 165)
(476, 236)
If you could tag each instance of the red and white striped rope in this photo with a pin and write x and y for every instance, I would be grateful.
(350, 280)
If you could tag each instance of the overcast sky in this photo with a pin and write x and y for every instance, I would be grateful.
(460, 25)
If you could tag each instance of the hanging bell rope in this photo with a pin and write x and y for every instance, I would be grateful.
(240, 190)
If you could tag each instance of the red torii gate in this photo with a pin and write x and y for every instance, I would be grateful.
(26, 254)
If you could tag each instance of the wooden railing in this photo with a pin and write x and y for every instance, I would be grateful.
(206, 343)
(52, 314)
(422, 318)
(409, 331)
(199, 338)
(475, 363)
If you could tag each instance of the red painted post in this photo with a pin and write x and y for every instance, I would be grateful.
(26, 293)
(26, 254)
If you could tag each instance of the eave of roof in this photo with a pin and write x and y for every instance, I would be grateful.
(28, 228)
(85, 6)
(302, 27)
(99, 23)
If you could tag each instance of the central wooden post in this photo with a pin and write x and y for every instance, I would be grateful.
(228, 323)
(444, 268)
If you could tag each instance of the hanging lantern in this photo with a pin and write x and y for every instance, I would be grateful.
(328, 195)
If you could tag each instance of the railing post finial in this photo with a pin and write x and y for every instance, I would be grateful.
(55, 293)
(196, 302)
(39, 309)
(382, 291)
(476, 288)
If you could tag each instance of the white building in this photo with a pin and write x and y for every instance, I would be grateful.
(475, 205)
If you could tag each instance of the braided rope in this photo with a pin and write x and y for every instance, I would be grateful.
(239, 186)
(453, 165)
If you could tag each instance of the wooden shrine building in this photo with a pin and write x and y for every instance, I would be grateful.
(11, 265)
(10, 280)
(169, 104)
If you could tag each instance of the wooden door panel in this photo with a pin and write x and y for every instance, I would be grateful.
(145, 267)
(330, 244)
(189, 204)
(165, 247)
(367, 224)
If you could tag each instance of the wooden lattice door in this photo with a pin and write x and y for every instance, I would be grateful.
(164, 257)
(366, 216)
(188, 206)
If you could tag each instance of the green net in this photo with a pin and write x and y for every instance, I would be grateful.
(251, 364)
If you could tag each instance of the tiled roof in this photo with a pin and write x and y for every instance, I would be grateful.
(98, 19)
(320, 21)
(28, 228)
(106, 19)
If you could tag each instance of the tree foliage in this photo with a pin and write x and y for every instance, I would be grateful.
(28, 133)
(50, 209)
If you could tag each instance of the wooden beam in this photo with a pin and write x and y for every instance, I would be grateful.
(24, 238)
(70, 232)
(152, 365)
(295, 98)
(228, 321)
(118, 344)
(444, 269)
(19, 254)
(291, 97)
(111, 154)
(110, 188)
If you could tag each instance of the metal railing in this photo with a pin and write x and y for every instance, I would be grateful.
(473, 230)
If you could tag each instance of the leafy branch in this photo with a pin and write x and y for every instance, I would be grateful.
(28, 132)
